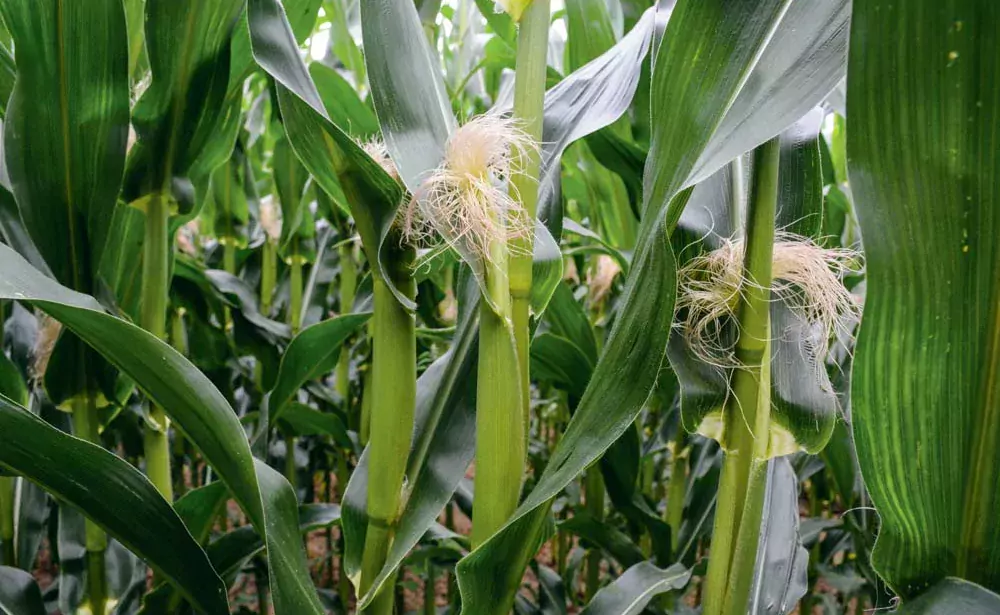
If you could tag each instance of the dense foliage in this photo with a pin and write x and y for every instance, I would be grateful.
(534, 306)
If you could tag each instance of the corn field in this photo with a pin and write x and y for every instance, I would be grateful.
(546, 307)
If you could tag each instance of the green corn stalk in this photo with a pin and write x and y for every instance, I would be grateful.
(747, 413)
(529, 99)
(155, 272)
(502, 432)
(393, 403)
(7, 520)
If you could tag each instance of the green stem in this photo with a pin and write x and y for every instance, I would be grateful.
(529, 99)
(677, 487)
(97, 582)
(343, 583)
(295, 321)
(595, 506)
(155, 272)
(295, 288)
(747, 415)
(394, 395)
(430, 592)
(500, 424)
(268, 276)
(229, 255)
(7, 520)
(348, 288)
(86, 427)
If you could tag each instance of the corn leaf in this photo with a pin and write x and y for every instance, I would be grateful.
(116, 496)
(188, 44)
(687, 110)
(311, 353)
(290, 179)
(337, 163)
(19, 594)
(635, 588)
(924, 170)
(782, 565)
(407, 89)
(196, 407)
(952, 596)
(66, 126)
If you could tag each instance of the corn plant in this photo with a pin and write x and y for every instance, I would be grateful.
(528, 306)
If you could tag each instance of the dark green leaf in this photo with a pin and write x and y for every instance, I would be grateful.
(312, 353)
(115, 496)
(66, 128)
(188, 44)
(190, 399)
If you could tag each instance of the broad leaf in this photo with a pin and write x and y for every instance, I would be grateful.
(952, 596)
(192, 402)
(924, 172)
(312, 353)
(114, 495)
(188, 44)
(631, 592)
(66, 127)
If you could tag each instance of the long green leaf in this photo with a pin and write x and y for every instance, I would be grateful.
(116, 496)
(631, 592)
(924, 165)
(188, 44)
(66, 127)
(191, 401)
(337, 163)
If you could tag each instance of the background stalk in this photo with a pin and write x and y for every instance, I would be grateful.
(7, 520)
(500, 426)
(595, 506)
(295, 321)
(86, 426)
(268, 276)
(744, 470)
(155, 272)
(529, 99)
(394, 398)
(348, 288)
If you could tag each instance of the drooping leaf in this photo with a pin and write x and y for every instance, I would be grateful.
(190, 400)
(114, 495)
(952, 596)
(631, 592)
(337, 163)
(924, 171)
